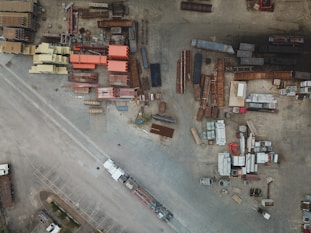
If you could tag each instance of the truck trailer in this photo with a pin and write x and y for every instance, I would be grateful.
(119, 175)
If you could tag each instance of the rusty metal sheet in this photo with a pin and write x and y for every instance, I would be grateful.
(162, 130)
(245, 76)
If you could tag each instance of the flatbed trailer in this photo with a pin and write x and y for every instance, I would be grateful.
(83, 77)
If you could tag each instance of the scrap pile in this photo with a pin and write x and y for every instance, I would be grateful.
(244, 157)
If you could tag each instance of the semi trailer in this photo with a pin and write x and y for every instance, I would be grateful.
(119, 175)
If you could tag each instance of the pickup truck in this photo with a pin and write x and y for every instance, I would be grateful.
(264, 213)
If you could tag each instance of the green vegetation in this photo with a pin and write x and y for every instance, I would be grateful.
(54, 207)
(63, 215)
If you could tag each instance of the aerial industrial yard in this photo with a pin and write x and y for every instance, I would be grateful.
(155, 116)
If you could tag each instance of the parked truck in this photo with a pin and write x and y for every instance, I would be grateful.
(264, 213)
(119, 175)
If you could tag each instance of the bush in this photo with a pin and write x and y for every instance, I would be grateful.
(54, 207)
(62, 215)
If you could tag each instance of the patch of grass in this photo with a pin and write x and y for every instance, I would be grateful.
(54, 207)
(62, 215)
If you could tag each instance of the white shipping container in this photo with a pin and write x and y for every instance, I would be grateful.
(275, 158)
(303, 84)
(305, 90)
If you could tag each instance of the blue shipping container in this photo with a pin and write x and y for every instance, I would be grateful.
(155, 72)
(197, 68)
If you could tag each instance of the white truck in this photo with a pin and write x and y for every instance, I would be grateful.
(264, 213)
(53, 228)
(4, 169)
(117, 173)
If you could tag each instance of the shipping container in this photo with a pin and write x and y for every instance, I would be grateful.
(283, 49)
(256, 61)
(197, 68)
(155, 73)
(247, 47)
(283, 61)
(244, 53)
(195, 6)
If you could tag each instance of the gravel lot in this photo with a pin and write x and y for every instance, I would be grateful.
(54, 144)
